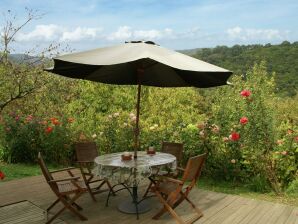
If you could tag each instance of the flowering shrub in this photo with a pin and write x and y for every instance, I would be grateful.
(250, 146)
(116, 133)
(26, 135)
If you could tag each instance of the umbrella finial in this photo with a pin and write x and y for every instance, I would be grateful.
(141, 41)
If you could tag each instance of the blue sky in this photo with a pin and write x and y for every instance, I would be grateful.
(184, 24)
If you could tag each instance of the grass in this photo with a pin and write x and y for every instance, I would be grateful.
(17, 171)
(245, 191)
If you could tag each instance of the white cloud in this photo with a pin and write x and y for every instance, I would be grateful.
(123, 32)
(52, 32)
(256, 34)
(80, 34)
(49, 32)
(127, 33)
(152, 34)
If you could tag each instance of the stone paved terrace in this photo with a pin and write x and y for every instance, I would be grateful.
(218, 208)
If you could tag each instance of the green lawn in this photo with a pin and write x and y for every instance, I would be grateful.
(245, 191)
(16, 171)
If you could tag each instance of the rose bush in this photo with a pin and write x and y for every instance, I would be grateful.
(252, 146)
(26, 135)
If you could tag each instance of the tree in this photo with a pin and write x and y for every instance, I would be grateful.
(22, 78)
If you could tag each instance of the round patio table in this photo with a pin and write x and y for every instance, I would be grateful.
(130, 174)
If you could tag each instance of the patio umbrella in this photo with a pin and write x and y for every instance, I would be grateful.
(140, 63)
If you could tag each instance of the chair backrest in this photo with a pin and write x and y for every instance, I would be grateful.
(86, 151)
(193, 168)
(173, 148)
(44, 168)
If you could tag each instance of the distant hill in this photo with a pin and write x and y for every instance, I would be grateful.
(282, 59)
(24, 58)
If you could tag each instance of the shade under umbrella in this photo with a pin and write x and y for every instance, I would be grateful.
(140, 63)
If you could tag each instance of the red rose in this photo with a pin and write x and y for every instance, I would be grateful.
(49, 130)
(245, 93)
(2, 175)
(243, 120)
(296, 139)
(234, 136)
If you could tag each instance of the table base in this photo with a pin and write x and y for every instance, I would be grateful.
(129, 207)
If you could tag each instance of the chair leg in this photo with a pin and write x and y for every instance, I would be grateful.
(167, 208)
(74, 204)
(53, 204)
(90, 192)
(68, 205)
(160, 213)
(200, 213)
(110, 187)
(147, 190)
(56, 215)
(77, 206)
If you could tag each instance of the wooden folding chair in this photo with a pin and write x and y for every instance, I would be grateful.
(85, 154)
(68, 190)
(172, 192)
(175, 149)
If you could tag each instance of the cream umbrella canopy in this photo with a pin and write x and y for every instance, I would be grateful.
(140, 63)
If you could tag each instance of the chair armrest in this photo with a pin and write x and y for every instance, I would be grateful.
(180, 169)
(65, 179)
(87, 161)
(61, 170)
(172, 180)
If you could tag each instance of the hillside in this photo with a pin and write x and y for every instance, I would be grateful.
(281, 59)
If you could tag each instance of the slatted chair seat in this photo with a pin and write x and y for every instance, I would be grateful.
(167, 187)
(68, 186)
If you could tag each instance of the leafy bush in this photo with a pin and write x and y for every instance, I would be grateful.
(245, 146)
(293, 187)
(26, 135)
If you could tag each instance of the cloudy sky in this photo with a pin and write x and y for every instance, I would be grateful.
(176, 24)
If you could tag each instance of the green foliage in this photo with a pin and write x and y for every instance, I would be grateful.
(25, 136)
(257, 155)
(281, 59)
(264, 157)
(293, 187)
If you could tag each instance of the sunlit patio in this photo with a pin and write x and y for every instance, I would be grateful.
(217, 207)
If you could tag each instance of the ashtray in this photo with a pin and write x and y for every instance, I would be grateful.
(126, 157)
(151, 151)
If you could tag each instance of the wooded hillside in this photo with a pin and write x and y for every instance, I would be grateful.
(281, 59)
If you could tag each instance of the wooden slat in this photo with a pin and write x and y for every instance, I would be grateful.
(243, 211)
(216, 207)
(22, 213)
(293, 218)
(284, 216)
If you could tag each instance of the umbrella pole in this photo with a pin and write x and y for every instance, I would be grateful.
(137, 130)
